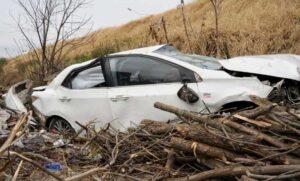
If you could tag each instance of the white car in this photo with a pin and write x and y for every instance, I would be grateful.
(122, 88)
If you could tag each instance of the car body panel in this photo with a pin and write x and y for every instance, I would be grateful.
(77, 105)
(218, 92)
(282, 65)
(145, 50)
(17, 96)
(137, 102)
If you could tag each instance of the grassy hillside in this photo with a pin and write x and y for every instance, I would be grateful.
(246, 27)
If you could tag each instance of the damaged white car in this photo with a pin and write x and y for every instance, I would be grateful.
(121, 88)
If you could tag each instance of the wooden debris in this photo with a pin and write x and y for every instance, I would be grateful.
(256, 144)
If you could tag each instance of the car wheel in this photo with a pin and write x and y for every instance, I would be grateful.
(60, 126)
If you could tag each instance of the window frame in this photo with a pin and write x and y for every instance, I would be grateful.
(180, 68)
(66, 83)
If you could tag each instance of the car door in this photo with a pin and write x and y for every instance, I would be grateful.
(85, 97)
(140, 81)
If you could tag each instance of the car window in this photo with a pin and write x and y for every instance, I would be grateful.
(197, 60)
(89, 78)
(142, 70)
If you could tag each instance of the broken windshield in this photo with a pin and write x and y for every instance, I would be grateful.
(197, 60)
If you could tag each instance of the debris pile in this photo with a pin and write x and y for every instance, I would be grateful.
(256, 144)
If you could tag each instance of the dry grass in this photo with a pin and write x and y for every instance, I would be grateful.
(246, 26)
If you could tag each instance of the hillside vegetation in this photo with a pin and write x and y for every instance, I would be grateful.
(246, 27)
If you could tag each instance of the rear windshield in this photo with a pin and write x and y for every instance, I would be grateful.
(197, 60)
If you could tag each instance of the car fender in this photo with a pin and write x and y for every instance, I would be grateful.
(217, 92)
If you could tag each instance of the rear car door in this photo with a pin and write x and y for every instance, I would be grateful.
(84, 97)
(140, 81)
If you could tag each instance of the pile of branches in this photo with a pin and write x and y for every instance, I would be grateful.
(256, 144)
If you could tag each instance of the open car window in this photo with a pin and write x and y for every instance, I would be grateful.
(89, 78)
(142, 70)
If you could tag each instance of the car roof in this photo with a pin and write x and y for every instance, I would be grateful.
(145, 50)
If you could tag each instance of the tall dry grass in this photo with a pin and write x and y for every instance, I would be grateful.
(246, 27)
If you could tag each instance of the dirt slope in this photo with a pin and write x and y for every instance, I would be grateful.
(246, 27)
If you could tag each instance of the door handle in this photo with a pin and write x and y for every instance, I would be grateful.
(65, 99)
(119, 98)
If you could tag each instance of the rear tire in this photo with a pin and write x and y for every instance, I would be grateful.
(60, 126)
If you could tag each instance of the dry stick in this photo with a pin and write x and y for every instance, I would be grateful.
(255, 132)
(155, 142)
(237, 171)
(272, 177)
(284, 174)
(115, 151)
(204, 134)
(17, 171)
(81, 129)
(203, 149)
(246, 178)
(38, 156)
(84, 174)
(227, 122)
(185, 27)
(261, 124)
(199, 133)
(171, 157)
(289, 120)
(35, 164)
(294, 115)
(254, 113)
(22, 120)
(187, 114)
(123, 175)
(275, 118)
(165, 29)
(278, 157)
(6, 165)
(156, 127)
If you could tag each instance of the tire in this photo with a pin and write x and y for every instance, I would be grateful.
(60, 126)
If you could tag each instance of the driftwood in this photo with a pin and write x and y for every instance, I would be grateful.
(238, 171)
(170, 159)
(35, 164)
(85, 174)
(254, 113)
(260, 143)
(22, 120)
(189, 115)
(235, 142)
(203, 149)
(17, 171)
(218, 124)
(156, 127)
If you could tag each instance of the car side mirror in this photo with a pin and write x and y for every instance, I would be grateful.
(187, 94)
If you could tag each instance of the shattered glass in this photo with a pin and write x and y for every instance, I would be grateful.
(197, 60)
(88, 78)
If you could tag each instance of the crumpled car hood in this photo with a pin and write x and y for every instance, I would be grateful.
(280, 65)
